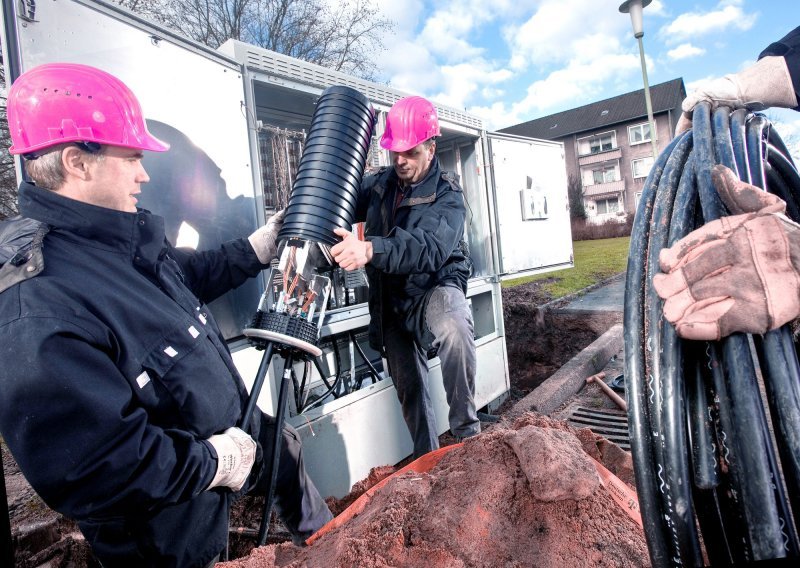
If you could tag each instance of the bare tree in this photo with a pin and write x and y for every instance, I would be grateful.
(346, 38)
(151, 9)
(8, 181)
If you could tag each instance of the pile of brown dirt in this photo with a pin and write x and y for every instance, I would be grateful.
(519, 495)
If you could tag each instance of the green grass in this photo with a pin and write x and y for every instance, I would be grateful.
(595, 261)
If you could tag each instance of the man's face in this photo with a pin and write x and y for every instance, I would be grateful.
(116, 179)
(413, 164)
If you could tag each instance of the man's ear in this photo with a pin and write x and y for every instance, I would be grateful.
(74, 162)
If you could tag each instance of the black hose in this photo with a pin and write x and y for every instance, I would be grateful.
(331, 388)
(322, 374)
(635, 391)
(372, 370)
(707, 469)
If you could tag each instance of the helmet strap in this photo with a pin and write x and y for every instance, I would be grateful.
(90, 147)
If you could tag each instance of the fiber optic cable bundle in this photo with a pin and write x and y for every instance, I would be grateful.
(714, 426)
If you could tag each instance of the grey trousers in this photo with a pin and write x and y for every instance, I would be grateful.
(449, 319)
(297, 502)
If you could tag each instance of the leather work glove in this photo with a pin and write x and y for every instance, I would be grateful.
(265, 239)
(764, 84)
(735, 274)
(236, 452)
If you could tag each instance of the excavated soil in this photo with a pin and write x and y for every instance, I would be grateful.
(540, 338)
(475, 509)
(520, 496)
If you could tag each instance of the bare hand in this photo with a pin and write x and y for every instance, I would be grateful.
(351, 253)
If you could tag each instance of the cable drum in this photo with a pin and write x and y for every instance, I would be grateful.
(325, 190)
(714, 426)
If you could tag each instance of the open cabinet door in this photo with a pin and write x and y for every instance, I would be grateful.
(530, 191)
(192, 97)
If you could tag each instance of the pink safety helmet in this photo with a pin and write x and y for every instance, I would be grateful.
(410, 121)
(58, 103)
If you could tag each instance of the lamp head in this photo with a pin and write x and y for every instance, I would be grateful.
(634, 8)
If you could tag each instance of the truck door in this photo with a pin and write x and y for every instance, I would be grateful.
(531, 204)
(192, 97)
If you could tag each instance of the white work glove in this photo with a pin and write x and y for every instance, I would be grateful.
(265, 239)
(236, 452)
(765, 84)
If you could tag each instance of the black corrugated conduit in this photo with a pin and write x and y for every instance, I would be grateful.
(704, 451)
(329, 173)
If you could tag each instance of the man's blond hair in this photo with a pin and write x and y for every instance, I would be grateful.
(47, 171)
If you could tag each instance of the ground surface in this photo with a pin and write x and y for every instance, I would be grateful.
(421, 522)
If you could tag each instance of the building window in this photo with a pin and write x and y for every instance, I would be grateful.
(605, 206)
(641, 167)
(596, 144)
(639, 133)
(604, 174)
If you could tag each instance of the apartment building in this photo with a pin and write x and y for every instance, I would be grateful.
(608, 147)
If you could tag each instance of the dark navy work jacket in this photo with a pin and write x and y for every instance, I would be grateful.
(114, 373)
(417, 244)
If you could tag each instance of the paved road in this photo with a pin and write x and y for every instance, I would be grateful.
(609, 297)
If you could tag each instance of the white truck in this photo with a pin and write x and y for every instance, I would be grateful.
(235, 118)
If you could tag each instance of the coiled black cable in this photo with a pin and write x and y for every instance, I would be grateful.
(704, 455)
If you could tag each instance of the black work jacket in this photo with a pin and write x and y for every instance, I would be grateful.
(114, 373)
(788, 47)
(415, 247)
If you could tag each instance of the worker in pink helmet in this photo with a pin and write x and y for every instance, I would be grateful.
(418, 264)
(119, 398)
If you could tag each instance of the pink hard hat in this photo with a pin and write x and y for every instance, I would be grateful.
(410, 121)
(57, 103)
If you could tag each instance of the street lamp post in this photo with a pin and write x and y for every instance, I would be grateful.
(634, 8)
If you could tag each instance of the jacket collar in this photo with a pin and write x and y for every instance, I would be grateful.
(116, 230)
(426, 188)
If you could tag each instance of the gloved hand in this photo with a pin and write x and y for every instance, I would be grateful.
(765, 84)
(265, 239)
(738, 273)
(236, 452)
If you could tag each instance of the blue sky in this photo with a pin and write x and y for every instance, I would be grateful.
(509, 61)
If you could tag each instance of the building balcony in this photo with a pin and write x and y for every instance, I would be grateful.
(602, 189)
(613, 154)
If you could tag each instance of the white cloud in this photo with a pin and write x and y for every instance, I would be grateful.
(446, 37)
(465, 79)
(656, 9)
(495, 116)
(410, 67)
(404, 15)
(684, 51)
(550, 35)
(692, 25)
(579, 82)
(438, 54)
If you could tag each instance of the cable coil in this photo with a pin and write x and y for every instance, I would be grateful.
(703, 447)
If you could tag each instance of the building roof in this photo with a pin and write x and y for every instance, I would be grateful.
(622, 108)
